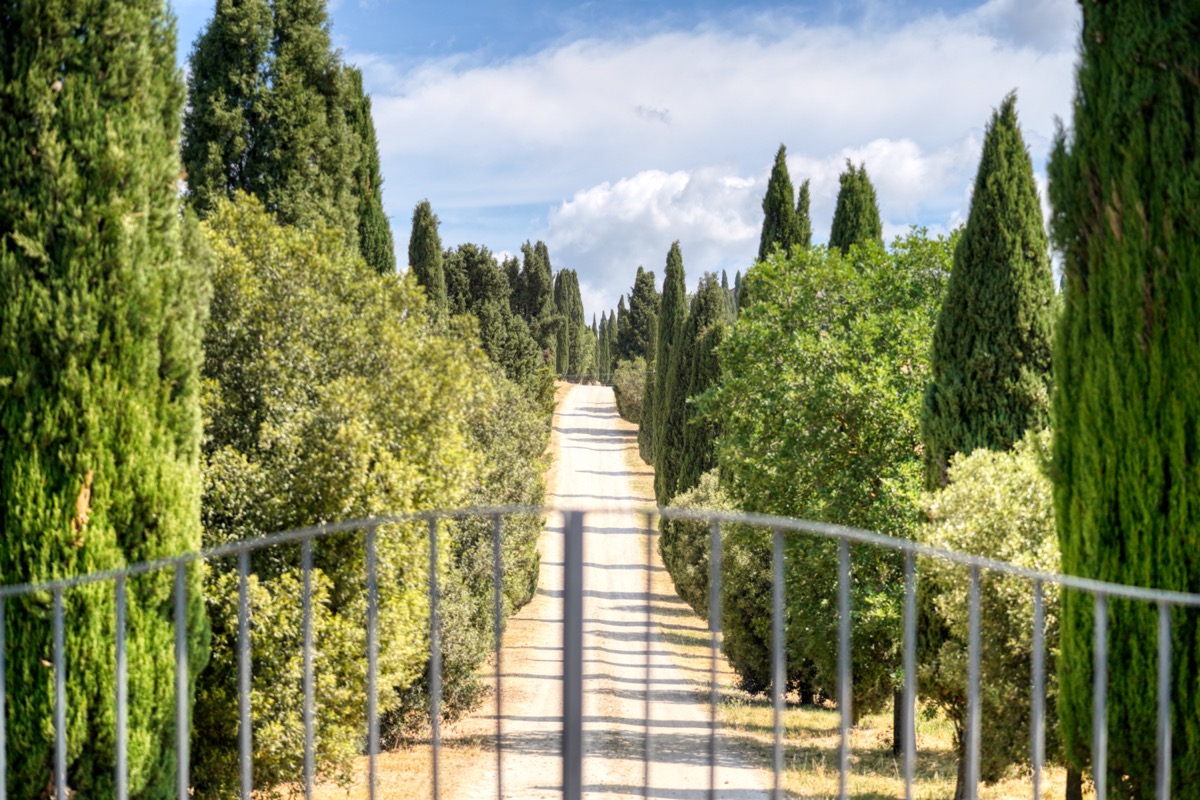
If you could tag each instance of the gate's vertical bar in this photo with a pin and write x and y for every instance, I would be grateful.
(647, 751)
(498, 628)
(183, 728)
(778, 660)
(3, 706)
(844, 693)
(306, 563)
(372, 665)
(60, 701)
(122, 699)
(435, 659)
(1163, 783)
(714, 625)
(973, 709)
(245, 732)
(572, 655)
(1100, 697)
(909, 714)
(1037, 728)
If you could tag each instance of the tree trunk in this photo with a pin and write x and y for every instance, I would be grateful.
(960, 785)
(807, 696)
(1074, 784)
(898, 715)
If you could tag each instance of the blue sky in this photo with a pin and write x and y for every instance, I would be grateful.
(610, 129)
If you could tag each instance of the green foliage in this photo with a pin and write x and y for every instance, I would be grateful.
(330, 394)
(1123, 185)
(991, 371)
(425, 258)
(997, 505)
(819, 401)
(269, 110)
(856, 217)
(374, 232)
(573, 355)
(533, 294)
(645, 423)
(671, 318)
(103, 300)
(629, 384)
(780, 225)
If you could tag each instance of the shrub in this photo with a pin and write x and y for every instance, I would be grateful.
(629, 383)
(997, 505)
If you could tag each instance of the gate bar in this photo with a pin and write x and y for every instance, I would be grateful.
(572, 740)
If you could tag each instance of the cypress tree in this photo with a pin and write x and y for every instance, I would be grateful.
(103, 298)
(374, 232)
(562, 305)
(671, 318)
(991, 368)
(1123, 185)
(779, 216)
(622, 328)
(226, 112)
(702, 335)
(803, 218)
(269, 113)
(306, 168)
(425, 258)
(856, 218)
(612, 343)
(516, 291)
(537, 295)
(644, 303)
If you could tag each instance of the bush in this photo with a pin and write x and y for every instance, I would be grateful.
(329, 395)
(997, 505)
(745, 581)
(629, 383)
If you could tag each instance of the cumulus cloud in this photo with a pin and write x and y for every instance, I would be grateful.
(633, 142)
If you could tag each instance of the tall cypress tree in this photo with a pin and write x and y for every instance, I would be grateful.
(700, 369)
(103, 297)
(1124, 185)
(536, 284)
(226, 113)
(671, 318)
(991, 368)
(856, 218)
(779, 216)
(374, 232)
(622, 327)
(803, 217)
(644, 303)
(562, 305)
(425, 258)
(269, 113)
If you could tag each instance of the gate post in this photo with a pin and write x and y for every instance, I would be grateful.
(572, 734)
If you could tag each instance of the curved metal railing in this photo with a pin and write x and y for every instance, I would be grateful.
(573, 528)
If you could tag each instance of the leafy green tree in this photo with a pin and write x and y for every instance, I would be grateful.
(103, 301)
(671, 318)
(996, 505)
(536, 288)
(425, 258)
(991, 371)
(331, 393)
(374, 231)
(1122, 186)
(622, 327)
(819, 403)
(856, 217)
(226, 104)
(779, 228)
(803, 218)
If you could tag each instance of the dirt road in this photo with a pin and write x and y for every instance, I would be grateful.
(592, 475)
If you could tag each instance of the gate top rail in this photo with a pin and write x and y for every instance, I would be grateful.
(824, 530)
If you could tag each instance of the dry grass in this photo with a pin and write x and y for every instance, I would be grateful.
(408, 772)
(812, 735)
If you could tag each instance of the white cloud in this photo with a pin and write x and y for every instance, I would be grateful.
(632, 143)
